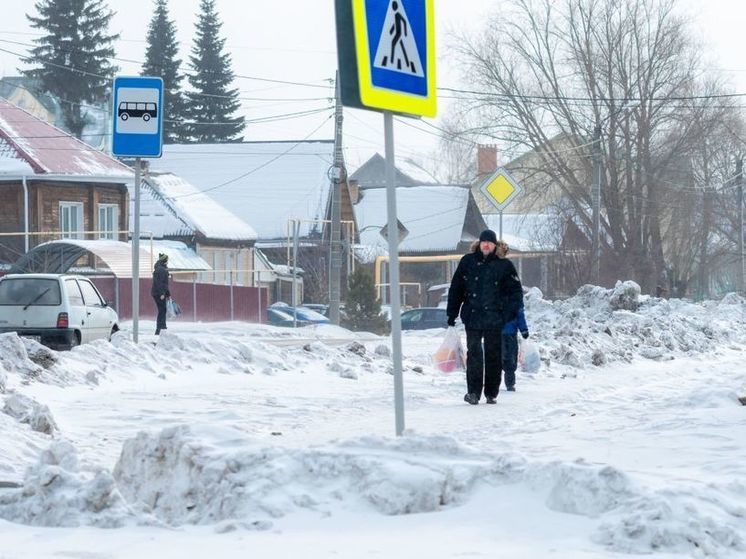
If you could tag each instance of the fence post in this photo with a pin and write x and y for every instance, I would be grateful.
(232, 314)
(116, 293)
(259, 303)
(194, 297)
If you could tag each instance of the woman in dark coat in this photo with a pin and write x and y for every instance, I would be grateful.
(488, 293)
(159, 291)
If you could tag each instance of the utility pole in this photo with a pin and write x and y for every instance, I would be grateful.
(338, 178)
(742, 269)
(596, 195)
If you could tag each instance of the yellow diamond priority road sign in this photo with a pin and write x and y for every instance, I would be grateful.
(501, 189)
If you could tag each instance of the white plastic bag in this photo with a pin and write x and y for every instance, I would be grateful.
(172, 308)
(528, 357)
(450, 354)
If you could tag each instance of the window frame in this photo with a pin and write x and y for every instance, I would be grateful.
(104, 232)
(80, 218)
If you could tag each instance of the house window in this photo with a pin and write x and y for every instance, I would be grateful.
(71, 220)
(108, 221)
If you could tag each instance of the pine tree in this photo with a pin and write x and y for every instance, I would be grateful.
(73, 56)
(362, 308)
(212, 100)
(161, 60)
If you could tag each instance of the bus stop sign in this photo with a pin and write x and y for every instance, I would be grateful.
(137, 130)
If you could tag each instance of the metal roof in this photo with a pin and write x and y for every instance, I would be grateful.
(59, 256)
(53, 153)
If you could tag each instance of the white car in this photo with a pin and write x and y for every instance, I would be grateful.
(57, 310)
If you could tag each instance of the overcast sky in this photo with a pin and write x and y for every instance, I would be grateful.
(295, 40)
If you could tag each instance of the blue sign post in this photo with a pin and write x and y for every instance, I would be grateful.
(138, 117)
(137, 132)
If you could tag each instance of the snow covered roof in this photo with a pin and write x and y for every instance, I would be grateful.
(59, 256)
(51, 151)
(527, 232)
(180, 256)
(11, 163)
(170, 206)
(433, 215)
(263, 183)
(372, 173)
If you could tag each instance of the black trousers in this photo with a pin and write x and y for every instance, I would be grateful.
(483, 365)
(510, 357)
(160, 321)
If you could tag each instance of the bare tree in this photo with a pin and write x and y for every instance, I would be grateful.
(544, 74)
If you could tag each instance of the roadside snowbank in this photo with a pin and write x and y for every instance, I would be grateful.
(599, 326)
(199, 476)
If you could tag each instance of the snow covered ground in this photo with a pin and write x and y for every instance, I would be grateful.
(239, 440)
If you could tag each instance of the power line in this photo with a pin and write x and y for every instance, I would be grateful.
(258, 167)
(620, 100)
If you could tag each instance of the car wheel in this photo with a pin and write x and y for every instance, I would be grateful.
(76, 340)
(114, 330)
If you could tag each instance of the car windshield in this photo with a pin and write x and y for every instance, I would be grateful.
(279, 314)
(308, 314)
(34, 291)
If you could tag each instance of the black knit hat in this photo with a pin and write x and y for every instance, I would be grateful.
(488, 235)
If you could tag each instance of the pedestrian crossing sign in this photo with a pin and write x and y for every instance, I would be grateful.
(386, 51)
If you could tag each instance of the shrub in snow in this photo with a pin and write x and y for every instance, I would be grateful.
(28, 410)
(56, 493)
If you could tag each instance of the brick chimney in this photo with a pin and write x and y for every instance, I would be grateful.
(486, 160)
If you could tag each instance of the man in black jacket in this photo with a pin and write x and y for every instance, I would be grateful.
(488, 292)
(159, 291)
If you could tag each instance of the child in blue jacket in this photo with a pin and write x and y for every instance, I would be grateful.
(509, 335)
(510, 346)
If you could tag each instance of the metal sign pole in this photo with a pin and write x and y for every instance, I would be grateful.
(501, 225)
(294, 294)
(136, 257)
(388, 125)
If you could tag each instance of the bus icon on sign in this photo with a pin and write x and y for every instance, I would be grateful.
(146, 111)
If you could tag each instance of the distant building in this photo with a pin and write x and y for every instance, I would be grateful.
(267, 185)
(51, 182)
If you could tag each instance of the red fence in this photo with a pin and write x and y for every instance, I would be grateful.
(198, 301)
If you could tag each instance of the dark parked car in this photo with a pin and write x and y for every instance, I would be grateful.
(318, 307)
(283, 315)
(424, 318)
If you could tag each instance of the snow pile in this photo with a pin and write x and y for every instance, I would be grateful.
(635, 519)
(208, 476)
(14, 357)
(56, 492)
(181, 479)
(599, 326)
(689, 524)
(27, 410)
